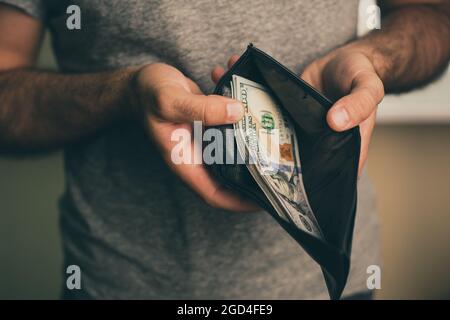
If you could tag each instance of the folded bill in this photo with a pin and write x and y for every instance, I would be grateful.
(266, 139)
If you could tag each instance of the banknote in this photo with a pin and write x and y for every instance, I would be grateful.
(266, 139)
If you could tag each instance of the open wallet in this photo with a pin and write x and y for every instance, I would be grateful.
(329, 165)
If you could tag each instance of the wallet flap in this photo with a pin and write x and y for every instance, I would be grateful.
(329, 164)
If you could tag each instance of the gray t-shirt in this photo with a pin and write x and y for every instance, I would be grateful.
(133, 228)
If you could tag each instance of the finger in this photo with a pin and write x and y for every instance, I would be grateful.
(229, 200)
(196, 176)
(312, 75)
(366, 130)
(211, 110)
(232, 60)
(193, 87)
(198, 179)
(366, 93)
(307, 77)
(217, 73)
(211, 192)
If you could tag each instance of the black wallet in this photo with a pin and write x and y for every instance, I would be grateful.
(329, 164)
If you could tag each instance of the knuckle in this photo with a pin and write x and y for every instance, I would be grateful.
(186, 109)
(354, 110)
(369, 102)
(361, 110)
(372, 83)
(360, 106)
(161, 103)
(209, 113)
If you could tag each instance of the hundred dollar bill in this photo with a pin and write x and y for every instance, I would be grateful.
(266, 139)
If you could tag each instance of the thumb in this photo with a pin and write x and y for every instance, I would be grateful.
(366, 93)
(211, 110)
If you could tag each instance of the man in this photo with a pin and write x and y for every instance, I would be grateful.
(138, 225)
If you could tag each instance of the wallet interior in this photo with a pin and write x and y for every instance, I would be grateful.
(329, 164)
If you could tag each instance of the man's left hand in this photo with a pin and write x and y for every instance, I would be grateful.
(348, 76)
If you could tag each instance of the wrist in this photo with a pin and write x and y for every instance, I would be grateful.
(140, 88)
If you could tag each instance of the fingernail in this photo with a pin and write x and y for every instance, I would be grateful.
(235, 111)
(340, 118)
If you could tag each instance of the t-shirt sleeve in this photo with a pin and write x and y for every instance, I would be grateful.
(34, 8)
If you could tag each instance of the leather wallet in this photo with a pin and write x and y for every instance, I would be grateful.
(329, 163)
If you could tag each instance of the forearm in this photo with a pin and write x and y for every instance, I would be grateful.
(411, 48)
(40, 110)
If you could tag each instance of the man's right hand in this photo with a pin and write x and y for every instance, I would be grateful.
(170, 101)
(59, 109)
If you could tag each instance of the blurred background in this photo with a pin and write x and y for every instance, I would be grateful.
(409, 163)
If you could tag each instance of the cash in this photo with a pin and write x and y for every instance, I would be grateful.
(266, 140)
